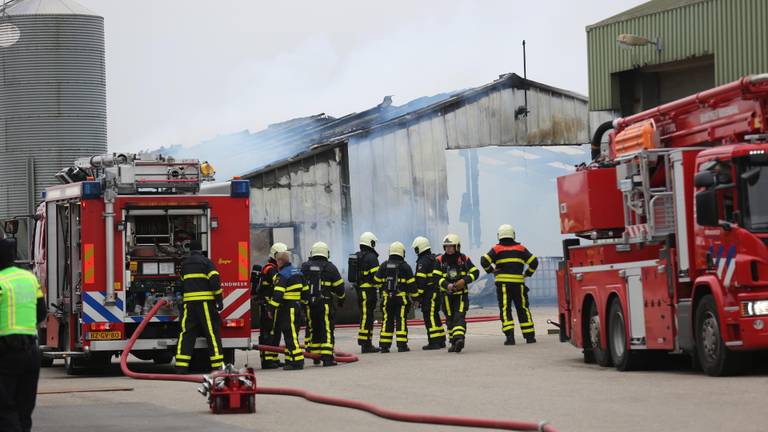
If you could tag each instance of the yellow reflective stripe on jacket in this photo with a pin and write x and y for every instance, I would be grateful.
(533, 257)
(198, 295)
(194, 276)
(471, 272)
(212, 274)
(218, 291)
(488, 258)
(510, 260)
(338, 282)
(509, 278)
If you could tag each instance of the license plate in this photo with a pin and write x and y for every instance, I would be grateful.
(105, 335)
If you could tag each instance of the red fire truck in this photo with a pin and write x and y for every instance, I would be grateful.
(109, 242)
(676, 217)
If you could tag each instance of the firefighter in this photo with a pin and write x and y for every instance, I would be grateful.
(398, 285)
(266, 280)
(510, 263)
(429, 295)
(22, 307)
(325, 284)
(456, 273)
(202, 302)
(290, 292)
(368, 293)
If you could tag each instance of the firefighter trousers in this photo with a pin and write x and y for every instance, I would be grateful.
(287, 323)
(199, 318)
(265, 334)
(306, 313)
(430, 311)
(323, 326)
(395, 309)
(19, 373)
(517, 294)
(456, 306)
(367, 302)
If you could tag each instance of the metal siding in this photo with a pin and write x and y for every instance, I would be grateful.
(52, 101)
(733, 30)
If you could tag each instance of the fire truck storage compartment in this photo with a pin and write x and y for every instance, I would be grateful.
(590, 201)
(156, 242)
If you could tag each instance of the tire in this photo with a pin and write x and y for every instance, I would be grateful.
(714, 357)
(45, 362)
(593, 339)
(624, 359)
(218, 405)
(73, 365)
(252, 403)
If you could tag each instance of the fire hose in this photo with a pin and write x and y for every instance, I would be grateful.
(328, 400)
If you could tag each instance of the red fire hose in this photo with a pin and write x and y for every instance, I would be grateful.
(327, 400)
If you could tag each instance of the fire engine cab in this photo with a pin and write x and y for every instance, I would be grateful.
(675, 215)
(108, 245)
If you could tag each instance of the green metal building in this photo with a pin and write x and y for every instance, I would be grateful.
(674, 48)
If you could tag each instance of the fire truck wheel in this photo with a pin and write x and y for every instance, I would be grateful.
(73, 365)
(252, 403)
(715, 358)
(46, 362)
(593, 341)
(623, 358)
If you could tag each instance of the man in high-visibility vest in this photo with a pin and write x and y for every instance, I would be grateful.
(201, 307)
(22, 307)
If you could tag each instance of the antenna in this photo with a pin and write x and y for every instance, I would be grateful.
(522, 111)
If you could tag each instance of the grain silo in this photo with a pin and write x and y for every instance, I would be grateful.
(52, 95)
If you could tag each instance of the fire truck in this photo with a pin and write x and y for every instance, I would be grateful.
(109, 242)
(675, 218)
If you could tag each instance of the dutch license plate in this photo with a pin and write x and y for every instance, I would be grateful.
(105, 335)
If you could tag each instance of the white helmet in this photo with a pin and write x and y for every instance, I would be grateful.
(368, 239)
(506, 232)
(397, 248)
(276, 249)
(320, 249)
(420, 244)
(452, 240)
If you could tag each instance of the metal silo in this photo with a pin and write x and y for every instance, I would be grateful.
(52, 95)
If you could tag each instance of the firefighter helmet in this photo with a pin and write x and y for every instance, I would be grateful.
(397, 248)
(368, 239)
(420, 244)
(320, 249)
(452, 240)
(506, 232)
(276, 249)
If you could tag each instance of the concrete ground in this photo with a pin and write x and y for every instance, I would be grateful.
(544, 381)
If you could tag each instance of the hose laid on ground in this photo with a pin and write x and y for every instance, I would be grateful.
(328, 400)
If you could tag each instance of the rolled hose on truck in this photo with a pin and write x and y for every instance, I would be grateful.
(328, 400)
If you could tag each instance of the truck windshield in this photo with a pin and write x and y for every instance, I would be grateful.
(754, 180)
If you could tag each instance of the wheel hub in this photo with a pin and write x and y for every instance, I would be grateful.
(594, 331)
(710, 336)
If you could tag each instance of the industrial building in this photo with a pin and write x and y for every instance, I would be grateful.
(52, 96)
(434, 165)
(663, 50)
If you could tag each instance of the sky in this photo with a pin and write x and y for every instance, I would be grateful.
(179, 72)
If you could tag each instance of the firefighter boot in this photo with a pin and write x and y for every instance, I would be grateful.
(270, 364)
(329, 361)
(296, 365)
(530, 338)
(384, 350)
(510, 339)
(369, 348)
(452, 348)
(402, 348)
(432, 346)
(459, 346)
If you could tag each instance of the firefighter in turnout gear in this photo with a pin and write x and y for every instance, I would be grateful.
(367, 289)
(429, 295)
(511, 263)
(266, 281)
(325, 283)
(398, 285)
(202, 302)
(22, 307)
(456, 273)
(290, 292)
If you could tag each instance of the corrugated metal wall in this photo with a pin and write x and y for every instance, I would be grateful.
(305, 194)
(399, 182)
(735, 31)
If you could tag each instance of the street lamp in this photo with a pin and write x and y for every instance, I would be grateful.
(627, 40)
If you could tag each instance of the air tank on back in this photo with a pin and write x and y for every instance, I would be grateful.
(52, 96)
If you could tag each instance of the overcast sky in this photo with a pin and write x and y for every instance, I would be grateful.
(182, 71)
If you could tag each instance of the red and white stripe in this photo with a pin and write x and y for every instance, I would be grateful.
(236, 304)
(638, 231)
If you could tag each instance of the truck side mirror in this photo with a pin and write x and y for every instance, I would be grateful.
(11, 227)
(704, 179)
(706, 208)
